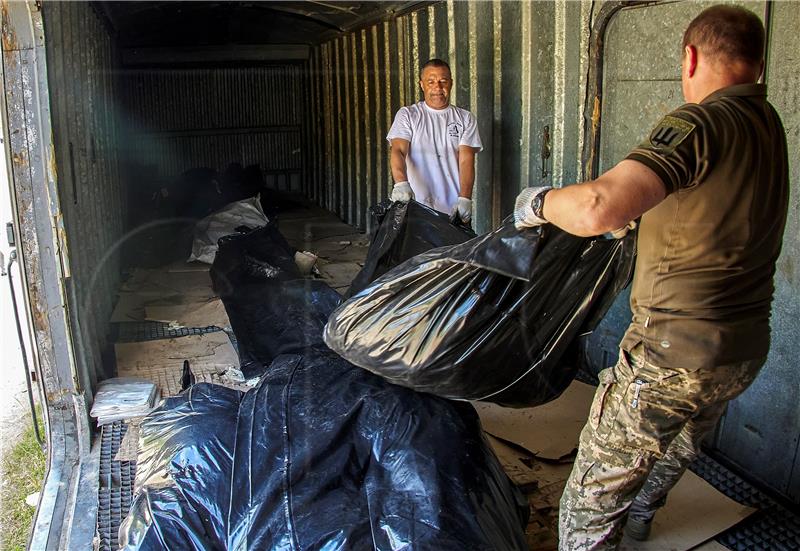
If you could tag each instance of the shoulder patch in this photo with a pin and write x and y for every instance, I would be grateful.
(669, 133)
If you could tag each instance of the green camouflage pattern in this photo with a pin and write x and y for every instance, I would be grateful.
(645, 427)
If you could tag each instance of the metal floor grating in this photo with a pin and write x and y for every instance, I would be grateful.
(773, 526)
(116, 486)
(153, 330)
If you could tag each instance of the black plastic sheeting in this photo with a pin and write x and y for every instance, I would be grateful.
(491, 319)
(401, 231)
(255, 264)
(260, 254)
(320, 454)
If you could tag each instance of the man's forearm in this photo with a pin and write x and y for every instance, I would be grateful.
(615, 198)
(397, 160)
(466, 173)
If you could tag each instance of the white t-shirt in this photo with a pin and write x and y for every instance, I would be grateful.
(432, 162)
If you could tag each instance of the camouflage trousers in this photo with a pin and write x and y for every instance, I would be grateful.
(645, 427)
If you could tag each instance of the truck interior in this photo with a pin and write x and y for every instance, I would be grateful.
(127, 123)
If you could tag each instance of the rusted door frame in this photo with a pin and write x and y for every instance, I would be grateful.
(66, 514)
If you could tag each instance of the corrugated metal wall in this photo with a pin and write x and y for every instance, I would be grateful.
(508, 60)
(179, 118)
(80, 58)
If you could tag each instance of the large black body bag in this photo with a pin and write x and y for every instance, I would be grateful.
(402, 231)
(491, 319)
(321, 455)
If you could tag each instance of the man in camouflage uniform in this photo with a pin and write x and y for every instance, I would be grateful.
(711, 185)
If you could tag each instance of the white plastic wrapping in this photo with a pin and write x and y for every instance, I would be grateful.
(123, 398)
(247, 212)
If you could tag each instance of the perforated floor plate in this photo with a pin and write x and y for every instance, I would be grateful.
(116, 486)
(772, 527)
(153, 330)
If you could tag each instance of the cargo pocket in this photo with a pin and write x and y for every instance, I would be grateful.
(600, 405)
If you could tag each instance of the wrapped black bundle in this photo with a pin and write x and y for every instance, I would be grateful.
(251, 255)
(402, 231)
(490, 319)
(320, 455)
(272, 310)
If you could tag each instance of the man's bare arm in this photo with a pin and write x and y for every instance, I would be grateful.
(397, 159)
(466, 170)
(612, 200)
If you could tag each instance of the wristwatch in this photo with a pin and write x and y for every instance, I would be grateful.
(537, 203)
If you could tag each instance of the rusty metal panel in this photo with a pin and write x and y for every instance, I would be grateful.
(80, 55)
(44, 247)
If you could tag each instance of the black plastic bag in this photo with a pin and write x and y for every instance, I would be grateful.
(259, 254)
(402, 231)
(490, 319)
(321, 455)
(272, 310)
(275, 317)
(183, 472)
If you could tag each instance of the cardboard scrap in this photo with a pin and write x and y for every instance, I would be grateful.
(695, 512)
(181, 266)
(129, 447)
(129, 307)
(161, 361)
(534, 437)
(196, 314)
(549, 431)
(335, 249)
(338, 275)
(160, 283)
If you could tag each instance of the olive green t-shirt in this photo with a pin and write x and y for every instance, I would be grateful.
(702, 288)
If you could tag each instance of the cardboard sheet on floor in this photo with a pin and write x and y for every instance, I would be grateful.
(210, 355)
(160, 282)
(549, 431)
(306, 232)
(695, 512)
(129, 446)
(129, 307)
(195, 314)
(338, 275)
(346, 248)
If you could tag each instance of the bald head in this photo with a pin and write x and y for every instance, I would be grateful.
(727, 34)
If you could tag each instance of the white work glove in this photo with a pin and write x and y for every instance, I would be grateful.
(524, 216)
(462, 209)
(623, 231)
(402, 192)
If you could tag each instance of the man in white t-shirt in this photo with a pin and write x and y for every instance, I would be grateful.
(433, 147)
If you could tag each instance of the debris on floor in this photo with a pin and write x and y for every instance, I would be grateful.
(160, 361)
(194, 314)
(180, 291)
(129, 446)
